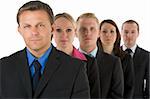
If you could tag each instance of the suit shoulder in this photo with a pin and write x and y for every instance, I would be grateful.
(143, 52)
(12, 56)
(71, 63)
(69, 59)
(110, 57)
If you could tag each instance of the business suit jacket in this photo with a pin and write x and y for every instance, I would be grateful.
(63, 77)
(111, 75)
(128, 71)
(141, 60)
(93, 77)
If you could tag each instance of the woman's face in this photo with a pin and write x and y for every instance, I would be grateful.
(64, 32)
(108, 34)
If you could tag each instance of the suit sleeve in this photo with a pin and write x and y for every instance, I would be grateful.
(81, 85)
(117, 81)
(147, 77)
(0, 80)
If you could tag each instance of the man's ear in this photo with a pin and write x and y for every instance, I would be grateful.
(19, 30)
(52, 28)
(138, 34)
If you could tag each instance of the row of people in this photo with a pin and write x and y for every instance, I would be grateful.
(97, 40)
(100, 68)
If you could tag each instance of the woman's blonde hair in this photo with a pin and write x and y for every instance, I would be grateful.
(66, 16)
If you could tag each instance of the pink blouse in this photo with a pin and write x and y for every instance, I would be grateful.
(77, 54)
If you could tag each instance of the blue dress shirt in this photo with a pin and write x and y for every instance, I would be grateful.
(42, 60)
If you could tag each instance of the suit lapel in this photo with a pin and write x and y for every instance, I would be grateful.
(24, 72)
(136, 54)
(99, 58)
(100, 63)
(51, 66)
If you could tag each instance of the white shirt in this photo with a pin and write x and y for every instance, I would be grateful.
(133, 48)
(92, 53)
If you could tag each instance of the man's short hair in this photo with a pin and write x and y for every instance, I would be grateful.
(36, 5)
(88, 15)
(131, 22)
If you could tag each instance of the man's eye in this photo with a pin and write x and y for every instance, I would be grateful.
(27, 26)
(58, 30)
(92, 28)
(82, 30)
(41, 25)
(133, 32)
(126, 32)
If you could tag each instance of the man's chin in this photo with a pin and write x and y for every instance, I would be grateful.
(35, 48)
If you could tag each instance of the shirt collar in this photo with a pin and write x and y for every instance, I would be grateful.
(93, 53)
(42, 60)
(133, 48)
(30, 57)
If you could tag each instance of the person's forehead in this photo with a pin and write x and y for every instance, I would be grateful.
(33, 15)
(108, 25)
(88, 22)
(130, 25)
(85, 19)
(28, 12)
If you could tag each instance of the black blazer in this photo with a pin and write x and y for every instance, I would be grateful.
(111, 75)
(141, 60)
(128, 71)
(63, 77)
(93, 77)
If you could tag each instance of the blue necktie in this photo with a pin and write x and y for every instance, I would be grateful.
(37, 74)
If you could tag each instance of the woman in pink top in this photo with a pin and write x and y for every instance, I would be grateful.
(64, 28)
(64, 33)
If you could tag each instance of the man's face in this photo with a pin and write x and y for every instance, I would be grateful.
(130, 34)
(35, 28)
(87, 32)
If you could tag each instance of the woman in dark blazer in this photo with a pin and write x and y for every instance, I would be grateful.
(109, 42)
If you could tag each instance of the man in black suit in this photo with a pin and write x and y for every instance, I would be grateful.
(130, 32)
(39, 70)
(110, 70)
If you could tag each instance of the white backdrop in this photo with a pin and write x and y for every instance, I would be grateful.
(118, 10)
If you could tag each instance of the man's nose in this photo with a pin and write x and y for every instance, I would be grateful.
(129, 34)
(34, 31)
(87, 32)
